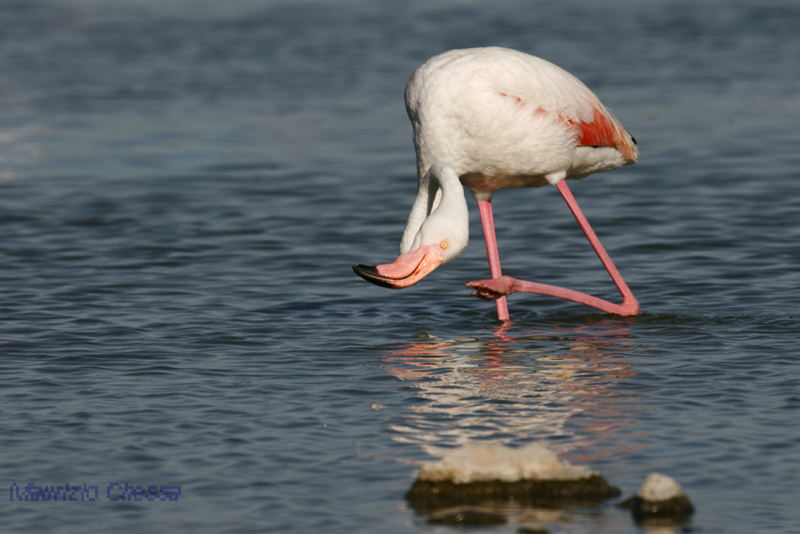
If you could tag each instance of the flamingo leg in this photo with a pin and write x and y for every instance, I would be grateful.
(629, 306)
(487, 222)
(504, 285)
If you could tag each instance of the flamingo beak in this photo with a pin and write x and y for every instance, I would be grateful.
(405, 271)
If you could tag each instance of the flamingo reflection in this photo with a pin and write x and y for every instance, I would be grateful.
(556, 384)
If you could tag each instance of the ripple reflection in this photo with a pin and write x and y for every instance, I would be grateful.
(556, 384)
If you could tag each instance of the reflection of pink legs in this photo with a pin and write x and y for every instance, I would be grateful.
(487, 221)
(499, 285)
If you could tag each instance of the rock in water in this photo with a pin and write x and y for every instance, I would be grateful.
(488, 473)
(660, 499)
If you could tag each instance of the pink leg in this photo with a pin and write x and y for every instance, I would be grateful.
(487, 221)
(505, 285)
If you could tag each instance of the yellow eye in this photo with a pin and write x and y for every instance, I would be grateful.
(443, 244)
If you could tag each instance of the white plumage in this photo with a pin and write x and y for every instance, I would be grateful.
(511, 116)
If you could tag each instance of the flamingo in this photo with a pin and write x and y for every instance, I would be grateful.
(494, 118)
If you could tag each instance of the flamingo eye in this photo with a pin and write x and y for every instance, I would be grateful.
(443, 244)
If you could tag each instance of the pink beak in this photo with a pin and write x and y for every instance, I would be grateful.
(405, 271)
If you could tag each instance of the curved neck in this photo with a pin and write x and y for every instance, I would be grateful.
(433, 188)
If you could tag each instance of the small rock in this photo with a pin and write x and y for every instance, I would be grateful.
(659, 498)
(658, 487)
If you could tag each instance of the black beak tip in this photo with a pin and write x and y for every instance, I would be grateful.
(370, 274)
(365, 270)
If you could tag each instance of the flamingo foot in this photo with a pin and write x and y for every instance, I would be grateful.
(493, 288)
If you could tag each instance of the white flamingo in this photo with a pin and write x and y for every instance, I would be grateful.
(492, 118)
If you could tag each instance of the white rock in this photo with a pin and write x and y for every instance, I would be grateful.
(658, 487)
(492, 461)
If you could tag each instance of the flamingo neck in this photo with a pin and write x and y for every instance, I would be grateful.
(439, 186)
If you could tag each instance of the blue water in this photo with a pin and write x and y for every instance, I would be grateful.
(184, 186)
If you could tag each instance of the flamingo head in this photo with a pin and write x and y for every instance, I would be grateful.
(441, 236)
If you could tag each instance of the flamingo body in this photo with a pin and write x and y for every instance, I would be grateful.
(501, 118)
(494, 118)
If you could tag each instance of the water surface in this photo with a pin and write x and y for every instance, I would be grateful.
(184, 187)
